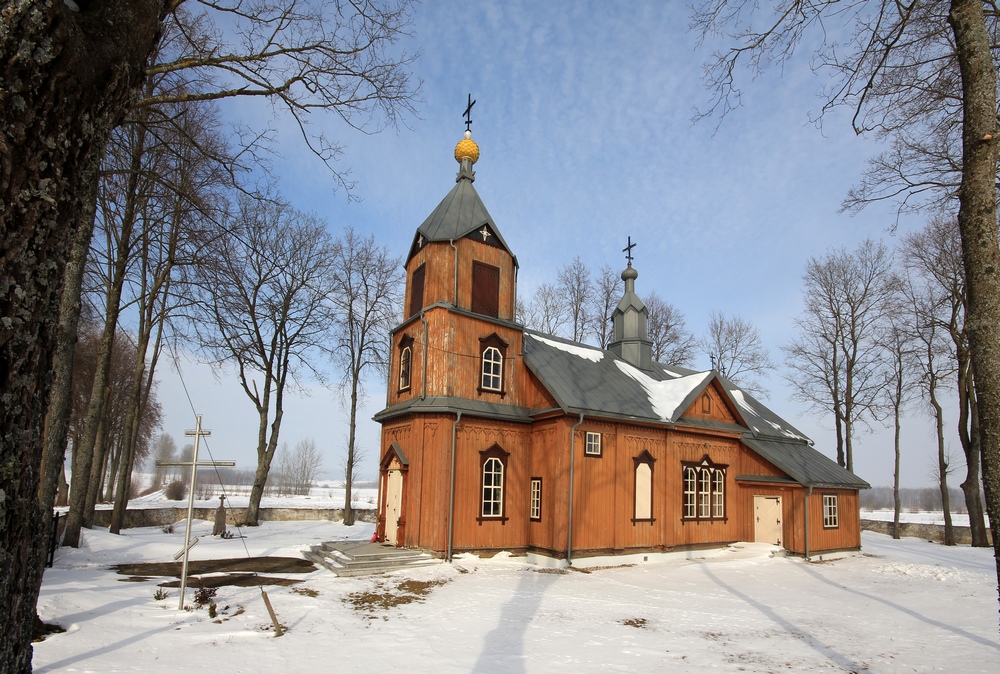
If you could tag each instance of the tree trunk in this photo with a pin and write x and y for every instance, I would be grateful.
(895, 445)
(977, 220)
(81, 498)
(65, 80)
(351, 439)
(949, 529)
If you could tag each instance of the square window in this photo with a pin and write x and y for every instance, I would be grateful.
(593, 447)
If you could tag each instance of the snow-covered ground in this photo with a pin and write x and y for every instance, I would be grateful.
(901, 606)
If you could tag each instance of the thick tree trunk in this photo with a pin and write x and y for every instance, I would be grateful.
(65, 80)
(977, 220)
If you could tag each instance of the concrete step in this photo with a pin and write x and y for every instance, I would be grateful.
(359, 559)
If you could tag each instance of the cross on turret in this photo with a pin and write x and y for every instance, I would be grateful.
(628, 251)
(468, 113)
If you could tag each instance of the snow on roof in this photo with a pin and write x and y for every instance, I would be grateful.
(742, 402)
(592, 354)
(664, 396)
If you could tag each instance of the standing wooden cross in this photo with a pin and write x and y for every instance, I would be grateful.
(198, 433)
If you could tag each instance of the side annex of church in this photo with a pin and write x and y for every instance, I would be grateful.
(495, 437)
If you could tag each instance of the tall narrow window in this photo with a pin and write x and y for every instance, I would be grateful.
(690, 489)
(405, 362)
(493, 351)
(704, 494)
(493, 467)
(404, 368)
(492, 368)
(485, 289)
(831, 519)
(535, 510)
(493, 488)
(416, 291)
(718, 494)
(643, 487)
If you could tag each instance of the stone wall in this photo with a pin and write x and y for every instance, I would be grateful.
(930, 532)
(158, 517)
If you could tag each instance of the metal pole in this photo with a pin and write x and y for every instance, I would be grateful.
(190, 514)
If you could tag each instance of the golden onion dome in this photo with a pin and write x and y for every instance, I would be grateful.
(467, 149)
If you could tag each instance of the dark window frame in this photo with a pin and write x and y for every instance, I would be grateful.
(486, 457)
(493, 341)
(705, 495)
(417, 283)
(535, 500)
(405, 347)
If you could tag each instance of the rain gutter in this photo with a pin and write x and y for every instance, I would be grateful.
(572, 463)
(451, 492)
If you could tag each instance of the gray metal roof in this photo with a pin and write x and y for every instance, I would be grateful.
(804, 464)
(586, 379)
(459, 214)
(451, 405)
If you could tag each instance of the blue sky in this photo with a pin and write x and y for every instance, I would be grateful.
(583, 119)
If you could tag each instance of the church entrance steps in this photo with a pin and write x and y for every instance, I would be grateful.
(350, 558)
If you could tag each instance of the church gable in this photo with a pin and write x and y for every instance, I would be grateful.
(712, 405)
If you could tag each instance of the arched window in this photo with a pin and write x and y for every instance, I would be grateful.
(404, 368)
(492, 369)
(405, 362)
(690, 488)
(493, 468)
(704, 490)
(492, 353)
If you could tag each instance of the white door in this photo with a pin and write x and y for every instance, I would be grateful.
(767, 519)
(393, 504)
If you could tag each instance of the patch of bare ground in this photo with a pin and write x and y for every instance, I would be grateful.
(634, 622)
(386, 595)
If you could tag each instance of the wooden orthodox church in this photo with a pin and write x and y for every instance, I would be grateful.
(495, 437)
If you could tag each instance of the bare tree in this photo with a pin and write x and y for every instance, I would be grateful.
(911, 71)
(735, 348)
(61, 102)
(934, 254)
(546, 311)
(931, 362)
(576, 290)
(164, 450)
(608, 291)
(836, 360)
(672, 343)
(365, 295)
(901, 350)
(262, 309)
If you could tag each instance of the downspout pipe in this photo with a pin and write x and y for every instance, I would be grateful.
(451, 491)
(451, 242)
(572, 464)
(423, 374)
(808, 496)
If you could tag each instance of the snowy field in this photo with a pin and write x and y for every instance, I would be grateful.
(901, 606)
(919, 517)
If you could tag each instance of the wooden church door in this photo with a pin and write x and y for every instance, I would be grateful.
(393, 504)
(767, 519)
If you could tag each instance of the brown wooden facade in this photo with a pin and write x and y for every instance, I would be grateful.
(446, 429)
